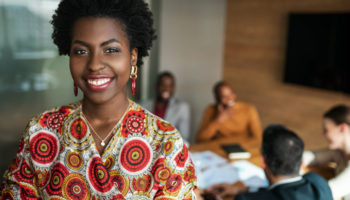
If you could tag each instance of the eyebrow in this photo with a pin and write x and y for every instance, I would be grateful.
(102, 44)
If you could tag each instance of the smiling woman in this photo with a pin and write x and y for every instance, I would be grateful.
(104, 146)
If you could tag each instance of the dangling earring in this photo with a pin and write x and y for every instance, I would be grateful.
(75, 90)
(133, 76)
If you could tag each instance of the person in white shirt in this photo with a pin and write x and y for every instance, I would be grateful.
(169, 108)
(336, 124)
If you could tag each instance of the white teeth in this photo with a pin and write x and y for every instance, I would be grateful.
(98, 82)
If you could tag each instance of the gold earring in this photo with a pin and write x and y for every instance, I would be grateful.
(133, 76)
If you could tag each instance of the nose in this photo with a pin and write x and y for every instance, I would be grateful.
(95, 62)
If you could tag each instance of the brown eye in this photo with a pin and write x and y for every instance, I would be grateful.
(80, 52)
(112, 50)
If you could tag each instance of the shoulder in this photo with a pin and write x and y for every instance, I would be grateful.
(139, 120)
(245, 106)
(51, 120)
(315, 179)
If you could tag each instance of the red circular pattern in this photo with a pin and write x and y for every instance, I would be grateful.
(78, 129)
(135, 155)
(168, 147)
(190, 174)
(182, 157)
(134, 122)
(27, 192)
(98, 175)
(74, 161)
(164, 126)
(121, 181)
(24, 174)
(75, 187)
(59, 172)
(109, 162)
(44, 147)
(160, 172)
(142, 184)
(174, 183)
(54, 120)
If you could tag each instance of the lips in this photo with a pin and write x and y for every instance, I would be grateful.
(98, 83)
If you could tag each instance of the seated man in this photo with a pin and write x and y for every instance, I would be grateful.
(282, 152)
(228, 117)
(168, 107)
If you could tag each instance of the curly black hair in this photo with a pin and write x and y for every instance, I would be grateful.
(135, 16)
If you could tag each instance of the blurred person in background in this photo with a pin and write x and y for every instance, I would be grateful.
(336, 126)
(169, 108)
(228, 117)
(282, 152)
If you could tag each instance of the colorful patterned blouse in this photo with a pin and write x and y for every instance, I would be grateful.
(58, 159)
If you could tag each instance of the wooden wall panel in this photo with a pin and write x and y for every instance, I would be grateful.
(254, 59)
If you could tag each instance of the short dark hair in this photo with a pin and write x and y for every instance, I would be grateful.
(282, 150)
(134, 15)
(216, 89)
(339, 114)
(165, 74)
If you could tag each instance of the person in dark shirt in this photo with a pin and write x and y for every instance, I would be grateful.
(282, 152)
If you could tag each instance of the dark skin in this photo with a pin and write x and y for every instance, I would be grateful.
(226, 105)
(100, 51)
(165, 90)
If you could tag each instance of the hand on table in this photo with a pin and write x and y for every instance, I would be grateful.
(225, 189)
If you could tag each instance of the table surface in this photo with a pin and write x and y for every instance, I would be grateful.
(251, 145)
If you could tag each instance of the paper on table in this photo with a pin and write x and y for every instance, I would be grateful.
(212, 169)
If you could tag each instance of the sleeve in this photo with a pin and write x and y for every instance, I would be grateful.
(184, 124)
(180, 181)
(208, 127)
(323, 156)
(255, 124)
(18, 181)
(339, 184)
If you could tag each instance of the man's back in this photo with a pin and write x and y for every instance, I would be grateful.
(311, 187)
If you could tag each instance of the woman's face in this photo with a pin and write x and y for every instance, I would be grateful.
(333, 133)
(100, 58)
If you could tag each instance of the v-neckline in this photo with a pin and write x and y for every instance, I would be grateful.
(115, 130)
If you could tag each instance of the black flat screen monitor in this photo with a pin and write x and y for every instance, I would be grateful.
(318, 51)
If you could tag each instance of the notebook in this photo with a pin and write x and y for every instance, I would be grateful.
(236, 151)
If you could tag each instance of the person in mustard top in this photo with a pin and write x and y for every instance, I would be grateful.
(228, 117)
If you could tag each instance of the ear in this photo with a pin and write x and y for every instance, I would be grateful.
(134, 53)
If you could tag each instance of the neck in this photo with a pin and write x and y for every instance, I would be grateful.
(108, 111)
(163, 101)
(276, 179)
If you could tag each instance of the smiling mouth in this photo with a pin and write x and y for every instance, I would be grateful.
(98, 84)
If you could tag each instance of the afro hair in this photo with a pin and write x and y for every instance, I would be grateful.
(135, 16)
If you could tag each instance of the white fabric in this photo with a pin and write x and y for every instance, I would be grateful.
(340, 184)
(308, 157)
(286, 181)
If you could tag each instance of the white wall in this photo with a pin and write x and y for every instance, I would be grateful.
(191, 39)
